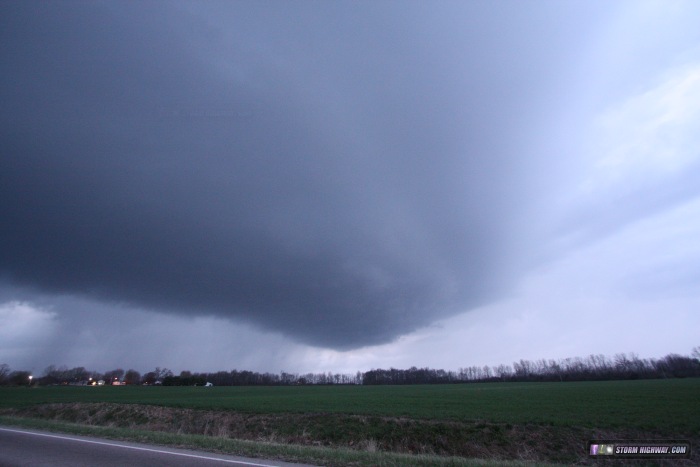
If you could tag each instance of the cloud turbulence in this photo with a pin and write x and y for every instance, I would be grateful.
(341, 172)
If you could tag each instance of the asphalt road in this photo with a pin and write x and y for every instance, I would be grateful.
(22, 447)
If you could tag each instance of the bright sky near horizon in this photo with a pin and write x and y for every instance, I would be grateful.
(340, 186)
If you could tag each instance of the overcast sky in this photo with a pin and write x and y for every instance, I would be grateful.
(346, 185)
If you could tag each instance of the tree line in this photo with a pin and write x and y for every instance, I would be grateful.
(592, 368)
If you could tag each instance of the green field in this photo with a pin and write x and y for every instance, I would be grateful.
(672, 404)
(429, 418)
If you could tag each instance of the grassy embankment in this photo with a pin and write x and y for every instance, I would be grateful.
(535, 422)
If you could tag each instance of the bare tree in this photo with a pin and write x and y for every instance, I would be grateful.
(162, 373)
(4, 372)
(114, 375)
(132, 377)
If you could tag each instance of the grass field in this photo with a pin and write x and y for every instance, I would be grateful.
(432, 418)
(649, 404)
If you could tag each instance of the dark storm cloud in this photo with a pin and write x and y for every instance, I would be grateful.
(340, 172)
